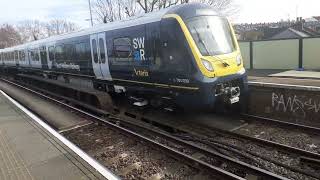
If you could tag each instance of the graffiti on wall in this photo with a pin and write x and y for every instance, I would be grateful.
(294, 104)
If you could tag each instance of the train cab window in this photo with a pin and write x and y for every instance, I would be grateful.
(94, 51)
(102, 50)
(122, 51)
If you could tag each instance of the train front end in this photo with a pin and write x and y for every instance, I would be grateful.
(220, 75)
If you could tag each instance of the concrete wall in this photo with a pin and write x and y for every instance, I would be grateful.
(311, 53)
(282, 54)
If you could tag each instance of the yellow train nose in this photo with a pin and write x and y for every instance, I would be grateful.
(224, 65)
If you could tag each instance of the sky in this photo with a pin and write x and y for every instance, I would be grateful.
(251, 11)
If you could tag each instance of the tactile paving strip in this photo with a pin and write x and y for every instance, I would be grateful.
(12, 166)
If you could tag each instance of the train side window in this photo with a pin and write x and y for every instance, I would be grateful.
(36, 55)
(20, 56)
(31, 55)
(69, 50)
(51, 53)
(82, 51)
(16, 55)
(59, 53)
(94, 50)
(11, 56)
(102, 50)
(122, 51)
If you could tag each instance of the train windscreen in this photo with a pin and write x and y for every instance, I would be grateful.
(212, 34)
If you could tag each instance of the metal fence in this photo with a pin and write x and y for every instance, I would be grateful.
(282, 54)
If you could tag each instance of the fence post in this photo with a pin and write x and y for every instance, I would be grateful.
(300, 54)
(251, 55)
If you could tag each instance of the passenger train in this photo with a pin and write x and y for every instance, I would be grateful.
(185, 56)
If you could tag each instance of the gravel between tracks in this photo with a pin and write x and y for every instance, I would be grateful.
(127, 157)
(290, 137)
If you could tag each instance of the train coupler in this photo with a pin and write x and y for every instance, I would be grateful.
(231, 94)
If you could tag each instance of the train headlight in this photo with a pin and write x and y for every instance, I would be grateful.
(239, 58)
(207, 65)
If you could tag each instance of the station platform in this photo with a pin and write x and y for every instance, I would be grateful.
(289, 77)
(28, 151)
(288, 95)
(57, 117)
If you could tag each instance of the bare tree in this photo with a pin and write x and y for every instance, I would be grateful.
(111, 10)
(225, 7)
(59, 26)
(31, 30)
(9, 36)
(154, 5)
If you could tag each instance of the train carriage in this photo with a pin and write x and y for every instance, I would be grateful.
(184, 56)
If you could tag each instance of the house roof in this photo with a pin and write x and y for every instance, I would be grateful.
(289, 33)
(317, 17)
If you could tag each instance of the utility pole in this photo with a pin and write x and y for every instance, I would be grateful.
(90, 12)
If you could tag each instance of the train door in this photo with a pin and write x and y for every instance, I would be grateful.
(99, 56)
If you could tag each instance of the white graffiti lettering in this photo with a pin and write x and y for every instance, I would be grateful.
(294, 104)
(68, 66)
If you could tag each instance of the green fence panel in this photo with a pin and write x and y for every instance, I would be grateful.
(311, 53)
(245, 52)
(276, 54)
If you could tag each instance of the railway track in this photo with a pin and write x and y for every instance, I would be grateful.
(238, 144)
(245, 169)
(306, 156)
(301, 127)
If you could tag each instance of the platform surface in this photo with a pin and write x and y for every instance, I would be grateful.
(298, 78)
(27, 151)
(58, 117)
(298, 74)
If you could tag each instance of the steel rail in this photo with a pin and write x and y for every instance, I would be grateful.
(300, 127)
(288, 149)
(175, 153)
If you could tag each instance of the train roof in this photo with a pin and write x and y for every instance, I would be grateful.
(185, 11)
